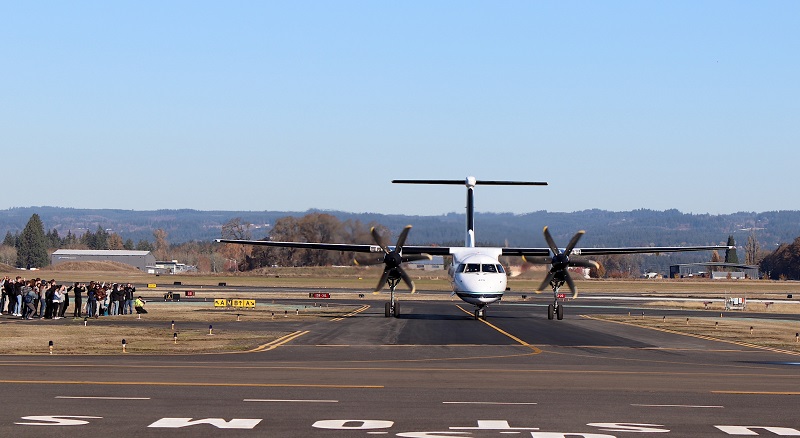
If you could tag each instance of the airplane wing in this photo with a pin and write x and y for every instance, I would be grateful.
(345, 247)
(445, 250)
(644, 250)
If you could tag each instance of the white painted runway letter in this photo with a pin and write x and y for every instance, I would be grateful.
(219, 423)
(747, 430)
(56, 420)
(630, 427)
(353, 424)
(569, 435)
(433, 434)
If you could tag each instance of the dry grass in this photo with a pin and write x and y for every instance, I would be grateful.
(773, 334)
(104, 335)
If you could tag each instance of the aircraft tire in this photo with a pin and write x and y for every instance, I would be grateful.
(560, 312)
(396, 310)
(550, 311)
(388, 309)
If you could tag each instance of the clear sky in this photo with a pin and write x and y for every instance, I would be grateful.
(291, 105)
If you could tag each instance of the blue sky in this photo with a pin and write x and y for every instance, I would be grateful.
(619, 105)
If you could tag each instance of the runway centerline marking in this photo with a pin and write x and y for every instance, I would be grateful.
(485, 403)
(535, 349)
(757, 392)
(265, 400)
(675, 406)
(100, 398)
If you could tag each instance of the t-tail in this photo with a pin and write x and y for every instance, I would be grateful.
(470, 182)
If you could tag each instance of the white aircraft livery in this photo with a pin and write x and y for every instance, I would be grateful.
(476, 274)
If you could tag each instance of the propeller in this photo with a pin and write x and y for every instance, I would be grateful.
(392, 260)
(560, 262)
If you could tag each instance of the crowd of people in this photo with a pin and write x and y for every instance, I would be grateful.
(45, 299)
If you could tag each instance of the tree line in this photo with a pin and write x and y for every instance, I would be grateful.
(31, 247)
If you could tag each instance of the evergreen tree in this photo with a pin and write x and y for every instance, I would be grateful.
(32, 250)
(730, 254)
(144, 245)
(129, 245)
(10, 240)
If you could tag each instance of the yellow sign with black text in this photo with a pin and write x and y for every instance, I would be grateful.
(221, 302)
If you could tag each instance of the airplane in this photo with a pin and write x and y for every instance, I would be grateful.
(476, 275)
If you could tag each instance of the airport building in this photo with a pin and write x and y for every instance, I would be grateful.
(704, 270)
(435, 264)
(139, 259)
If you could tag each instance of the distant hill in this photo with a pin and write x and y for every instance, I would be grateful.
(603, 228)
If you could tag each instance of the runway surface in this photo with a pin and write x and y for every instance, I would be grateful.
(432, 372)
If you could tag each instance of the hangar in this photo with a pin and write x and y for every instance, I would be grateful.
(139, 259)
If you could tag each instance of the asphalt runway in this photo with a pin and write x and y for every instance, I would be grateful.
(433, 372)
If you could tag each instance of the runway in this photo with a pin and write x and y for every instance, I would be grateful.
(432, 372)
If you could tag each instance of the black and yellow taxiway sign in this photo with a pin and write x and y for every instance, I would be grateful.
(222, 302)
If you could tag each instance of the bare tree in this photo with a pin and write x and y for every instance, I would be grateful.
(751, 249)
(161, 247)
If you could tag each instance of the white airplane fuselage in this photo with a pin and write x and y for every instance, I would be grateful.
(476, 275)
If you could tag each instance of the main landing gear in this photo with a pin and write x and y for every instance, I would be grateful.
(392, 308)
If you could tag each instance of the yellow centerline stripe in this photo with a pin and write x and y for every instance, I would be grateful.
(355, 312)
(278, 342)
(692, 335)
(201, 384)
(498, 329)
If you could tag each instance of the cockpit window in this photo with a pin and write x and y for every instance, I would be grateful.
(460, 268)
(488, 268)
(500, 269)
(473, 267)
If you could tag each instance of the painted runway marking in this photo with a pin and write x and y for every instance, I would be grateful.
(676, 406)
(535, 349)
(197, 384)
(757, 392)
(355, 312)
(266, 400)
(485, 403)
(278, 342)
(100, 398)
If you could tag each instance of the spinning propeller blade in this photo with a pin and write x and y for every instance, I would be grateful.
(560, 263)
(392, 259)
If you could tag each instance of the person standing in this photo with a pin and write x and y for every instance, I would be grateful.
(129, 291)
(78, 290)
(18, 296)
(58, 300)
(91, 300)
(30, 300)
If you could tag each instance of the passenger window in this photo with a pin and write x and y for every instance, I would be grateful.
(473, 267)
(488, 268)
(500, 269)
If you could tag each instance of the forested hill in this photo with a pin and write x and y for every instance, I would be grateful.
(603, 228)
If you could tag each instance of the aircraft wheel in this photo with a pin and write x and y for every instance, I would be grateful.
(477, 314)
(388, 309)
(550, 311)
(396, 310)
(560, 312)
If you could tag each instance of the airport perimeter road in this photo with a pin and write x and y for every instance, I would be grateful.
(433, 372)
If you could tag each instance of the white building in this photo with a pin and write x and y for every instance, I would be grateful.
(139, 259)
